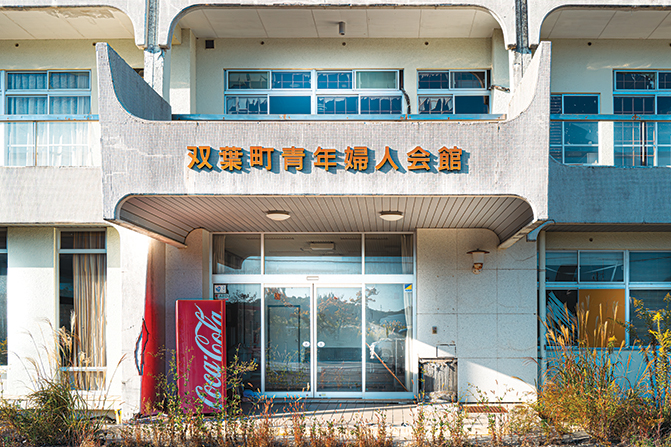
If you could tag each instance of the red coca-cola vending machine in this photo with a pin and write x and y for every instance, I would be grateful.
(201, 354)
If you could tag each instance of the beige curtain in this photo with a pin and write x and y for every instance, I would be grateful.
(407, 262)
(89, 320)
(218, 253)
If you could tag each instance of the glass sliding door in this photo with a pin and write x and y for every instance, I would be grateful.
(288, 339)
(338, 335)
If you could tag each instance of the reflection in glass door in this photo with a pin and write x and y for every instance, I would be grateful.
(339, 339)
(288, 340)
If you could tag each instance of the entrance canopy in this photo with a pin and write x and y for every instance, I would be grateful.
(171, 218)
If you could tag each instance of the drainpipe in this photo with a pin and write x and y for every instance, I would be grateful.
(541, 306)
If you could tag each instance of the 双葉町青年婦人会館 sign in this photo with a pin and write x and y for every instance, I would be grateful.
(356, 158)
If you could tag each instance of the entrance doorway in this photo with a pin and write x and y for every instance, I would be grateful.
(314, 340)
(319, 315)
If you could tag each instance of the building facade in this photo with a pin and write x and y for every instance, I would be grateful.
(366, 186)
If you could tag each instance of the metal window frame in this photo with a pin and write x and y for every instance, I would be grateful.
(48, 92)
(452, 91)
(314, 92)
(263, 280)
(626, 284)
(563, 145)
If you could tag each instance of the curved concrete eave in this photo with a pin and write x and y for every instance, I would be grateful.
(144, 156)
(171, 12)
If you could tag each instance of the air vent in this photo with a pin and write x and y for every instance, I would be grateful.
(209, 44)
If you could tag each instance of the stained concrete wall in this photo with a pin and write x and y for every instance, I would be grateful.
(607, 194)
(150, 157)
(491, 317)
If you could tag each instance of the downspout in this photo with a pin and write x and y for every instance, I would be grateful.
(542, 355)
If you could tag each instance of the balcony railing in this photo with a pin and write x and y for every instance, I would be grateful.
(67, 141)
(611, 140)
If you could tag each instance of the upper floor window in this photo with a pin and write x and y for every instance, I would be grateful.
(307, 92)
(46, 92)
(453, 91)
(574, 142)
(642, 92)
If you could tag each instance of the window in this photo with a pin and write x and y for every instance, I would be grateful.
(642, 143)
(307, 92)
(453, 92)
(642, 93)
(47, 93)
(82, 316)
(585, 286)
(574, 142)
(3, 296)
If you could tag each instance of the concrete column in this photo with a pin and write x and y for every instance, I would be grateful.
(183, 74)
(500, 74)
(157, 70)
(32, 300)
(519, 55)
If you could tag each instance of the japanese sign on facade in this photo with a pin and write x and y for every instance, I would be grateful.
(355, 158)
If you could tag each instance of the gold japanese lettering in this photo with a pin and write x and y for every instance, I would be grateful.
(293, 157)
(387, 159)
(256, 154)
(325, 158)
(449, 159)
(231, 158)
(418, 158)
(356, 158)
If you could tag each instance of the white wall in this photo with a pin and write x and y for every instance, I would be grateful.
(581, 68)
(64, 55)
(31, 303)
(492, 317)
(407, 54)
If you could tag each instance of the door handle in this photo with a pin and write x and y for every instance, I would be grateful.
(306, 344)
(321, 344)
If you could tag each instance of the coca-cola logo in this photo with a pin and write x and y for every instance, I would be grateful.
(208, 337)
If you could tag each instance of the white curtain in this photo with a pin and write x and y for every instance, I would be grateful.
(63, 144)
(407, 263)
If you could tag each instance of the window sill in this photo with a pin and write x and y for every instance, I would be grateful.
(404, 117)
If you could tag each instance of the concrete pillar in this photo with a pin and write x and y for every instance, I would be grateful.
(500, 74)
(157, 70)
(519, 55)
(32, 300)
(183, 74)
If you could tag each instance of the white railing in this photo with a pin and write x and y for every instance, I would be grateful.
(66, 142)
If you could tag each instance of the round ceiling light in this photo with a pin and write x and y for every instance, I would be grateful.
(278, 215)
(391, 216)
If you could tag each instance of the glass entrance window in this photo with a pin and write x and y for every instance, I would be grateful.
(322, 315)
(388, 337)
(313, 254)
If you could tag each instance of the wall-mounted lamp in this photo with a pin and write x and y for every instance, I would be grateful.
(478, 259)
(278, 215)
(341, 28)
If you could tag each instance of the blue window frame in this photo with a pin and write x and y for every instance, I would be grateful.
(306, 92)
